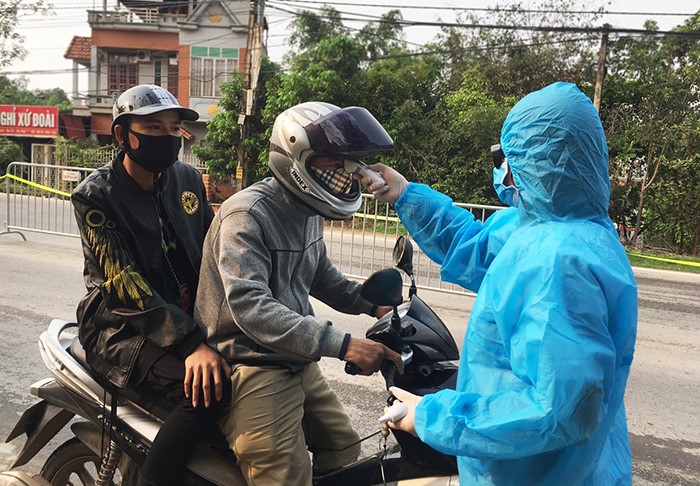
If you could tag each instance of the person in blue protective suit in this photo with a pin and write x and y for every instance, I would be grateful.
(545, 360)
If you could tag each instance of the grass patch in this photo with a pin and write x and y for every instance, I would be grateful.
(649, 259)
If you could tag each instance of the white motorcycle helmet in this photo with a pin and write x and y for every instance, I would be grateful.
(315, 129)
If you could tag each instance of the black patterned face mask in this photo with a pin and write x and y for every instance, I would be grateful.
(155, 153)
(337, 181)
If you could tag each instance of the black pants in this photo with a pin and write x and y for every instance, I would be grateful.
(184, 427)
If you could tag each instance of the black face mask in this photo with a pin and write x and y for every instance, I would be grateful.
(155, 153)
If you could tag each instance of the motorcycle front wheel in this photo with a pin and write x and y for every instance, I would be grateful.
(73, 463)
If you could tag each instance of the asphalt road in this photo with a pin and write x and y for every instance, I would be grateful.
(41, 279)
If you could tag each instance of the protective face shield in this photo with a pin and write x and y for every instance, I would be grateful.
(154, 153)
(313, 130)
(506, 192)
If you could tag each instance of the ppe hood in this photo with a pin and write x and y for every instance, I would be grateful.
(555, 145)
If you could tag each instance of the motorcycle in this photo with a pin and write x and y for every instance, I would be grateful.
(112, 432)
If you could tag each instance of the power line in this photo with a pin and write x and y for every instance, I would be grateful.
(533, 28)
(487, 9)
(297, 14)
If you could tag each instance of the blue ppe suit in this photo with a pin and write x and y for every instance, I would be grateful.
(546, 356)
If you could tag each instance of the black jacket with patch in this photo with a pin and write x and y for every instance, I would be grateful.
(124, 264)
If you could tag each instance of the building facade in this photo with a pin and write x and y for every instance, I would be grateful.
(188, 47)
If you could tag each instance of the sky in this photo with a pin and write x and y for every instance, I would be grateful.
(47, 37)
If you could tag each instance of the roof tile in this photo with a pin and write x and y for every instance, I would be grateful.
(79, 48)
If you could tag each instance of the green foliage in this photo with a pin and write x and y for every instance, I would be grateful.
(473, 122)
(308, 28)
(517, 62)
(650, 108)
(15, 92)
(81, 153)
(444, 106)
(11, 43)
(384, 37)
(650, 259)
(223, 131)
(223, 142)
(9, 152)
(673, 209)
(443, 109)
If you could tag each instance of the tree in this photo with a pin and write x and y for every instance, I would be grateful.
(516, 62)
(309, 28)
(372, 69)
(384, 37)
(223, 131)
(15, 92)
(9, 152)
(474, 116)
(11, 47)
(650, 107)
(444, 106)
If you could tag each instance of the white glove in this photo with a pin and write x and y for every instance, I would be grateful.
(407, 422)
(395, 184)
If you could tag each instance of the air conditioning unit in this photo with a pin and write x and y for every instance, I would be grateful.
(143, 56)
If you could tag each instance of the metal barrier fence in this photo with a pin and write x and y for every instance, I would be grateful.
(38, 200)
(364, 244)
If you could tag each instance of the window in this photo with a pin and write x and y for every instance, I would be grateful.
(209, 67)
(172, 79)
(122, 74)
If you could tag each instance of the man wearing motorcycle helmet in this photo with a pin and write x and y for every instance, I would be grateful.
(548, 349)
(263, 258)
(143, 218)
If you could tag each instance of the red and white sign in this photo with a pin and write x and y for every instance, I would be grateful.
(70, 176)
(29, 121)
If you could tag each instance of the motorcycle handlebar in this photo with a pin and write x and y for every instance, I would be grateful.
(406, 357)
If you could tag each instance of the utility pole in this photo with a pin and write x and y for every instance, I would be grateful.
(253, 60)
(600, 75)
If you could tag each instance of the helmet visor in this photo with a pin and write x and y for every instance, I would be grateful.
(351, 132)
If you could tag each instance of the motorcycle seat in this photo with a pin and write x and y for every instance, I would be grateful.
(145, 399)
(77, 351)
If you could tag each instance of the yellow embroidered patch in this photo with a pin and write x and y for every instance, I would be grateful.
(190, 202)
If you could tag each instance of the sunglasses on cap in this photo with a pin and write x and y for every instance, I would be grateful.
(497, 156)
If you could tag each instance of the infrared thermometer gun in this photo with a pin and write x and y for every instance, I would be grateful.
(356, 167)
(394, 413)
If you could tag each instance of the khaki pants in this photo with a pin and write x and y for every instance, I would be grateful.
(271, 410)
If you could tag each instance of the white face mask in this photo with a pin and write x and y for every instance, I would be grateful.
(508, 194)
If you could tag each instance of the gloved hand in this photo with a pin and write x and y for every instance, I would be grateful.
(395, 184)
(407, 423)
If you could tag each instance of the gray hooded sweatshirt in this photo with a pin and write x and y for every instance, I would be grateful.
(263, 256)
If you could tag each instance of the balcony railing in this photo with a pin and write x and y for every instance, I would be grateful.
(143, 16)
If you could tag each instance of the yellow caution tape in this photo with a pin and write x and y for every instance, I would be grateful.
(378, 217)
(38, 186)
(668, 260)
(357, 215)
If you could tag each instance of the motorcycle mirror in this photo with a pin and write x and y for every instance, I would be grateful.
(403, 258)
(403, 254)
(383, 288)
